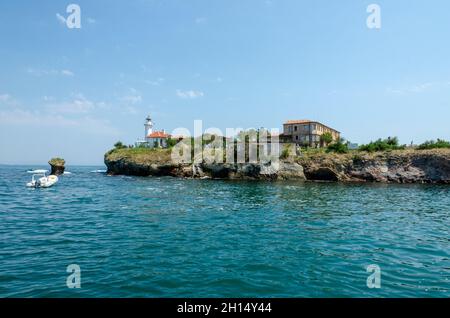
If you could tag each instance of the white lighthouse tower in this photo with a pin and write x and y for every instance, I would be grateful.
(148, 127)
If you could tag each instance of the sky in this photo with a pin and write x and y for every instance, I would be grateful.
(230, 63)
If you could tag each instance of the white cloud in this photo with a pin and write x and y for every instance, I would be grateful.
(130, 110)
(418, 88)
(201, 20)
(36, 72)
(156, 82)
(75, 113)
(421, 87)
(5, 97)
(61, 19)
(133, 98)
(189, 94)
(48, 98)
(67, 73)
(7, 100)
(51, 72)
(39, 119)
(333, 92)
(78, 104)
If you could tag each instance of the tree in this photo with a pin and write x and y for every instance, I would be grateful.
(326, 139)
(119, 145)
(171, 142)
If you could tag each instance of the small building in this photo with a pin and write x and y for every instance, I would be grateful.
(307, 133)
(158, 139)
(153, 139)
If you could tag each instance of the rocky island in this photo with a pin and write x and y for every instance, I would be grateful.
(396, 166)
(57, 165)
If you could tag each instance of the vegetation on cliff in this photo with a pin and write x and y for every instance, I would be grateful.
(388, 144)
(391, 143)
(57, 162)
(439, 144)
(339, 146)
(139, 155)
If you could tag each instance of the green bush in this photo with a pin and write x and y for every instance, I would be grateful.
(339, 146)
(285, 153)
(391, 143)
(171, 142)
(119, 145)
(431, 144)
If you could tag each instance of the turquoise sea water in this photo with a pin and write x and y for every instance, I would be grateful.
(167, 237)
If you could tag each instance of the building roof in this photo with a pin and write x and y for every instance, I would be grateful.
(300, 121)
(306, 121)
(158, 134)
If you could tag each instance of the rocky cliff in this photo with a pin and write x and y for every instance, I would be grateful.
(401, 166)
(124, 162)
(407, 166)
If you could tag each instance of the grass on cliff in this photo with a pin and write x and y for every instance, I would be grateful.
(140, 155)
(322, 156)
(308, 155)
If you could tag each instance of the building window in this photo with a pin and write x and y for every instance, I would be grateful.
(296, 137)
(295, 128)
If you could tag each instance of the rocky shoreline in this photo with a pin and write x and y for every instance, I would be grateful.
(402, 166)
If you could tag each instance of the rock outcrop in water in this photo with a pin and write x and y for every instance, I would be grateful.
(406, 166)
(57, 165)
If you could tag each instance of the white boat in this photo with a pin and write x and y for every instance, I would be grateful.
(37, 171)
(98, 171)
(41, 180)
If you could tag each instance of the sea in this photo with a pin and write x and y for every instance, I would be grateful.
(93, 235)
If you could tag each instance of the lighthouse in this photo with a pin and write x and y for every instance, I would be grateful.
(148, 127)
(152, 139)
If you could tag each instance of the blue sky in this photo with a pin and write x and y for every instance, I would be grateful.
(255, 63)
